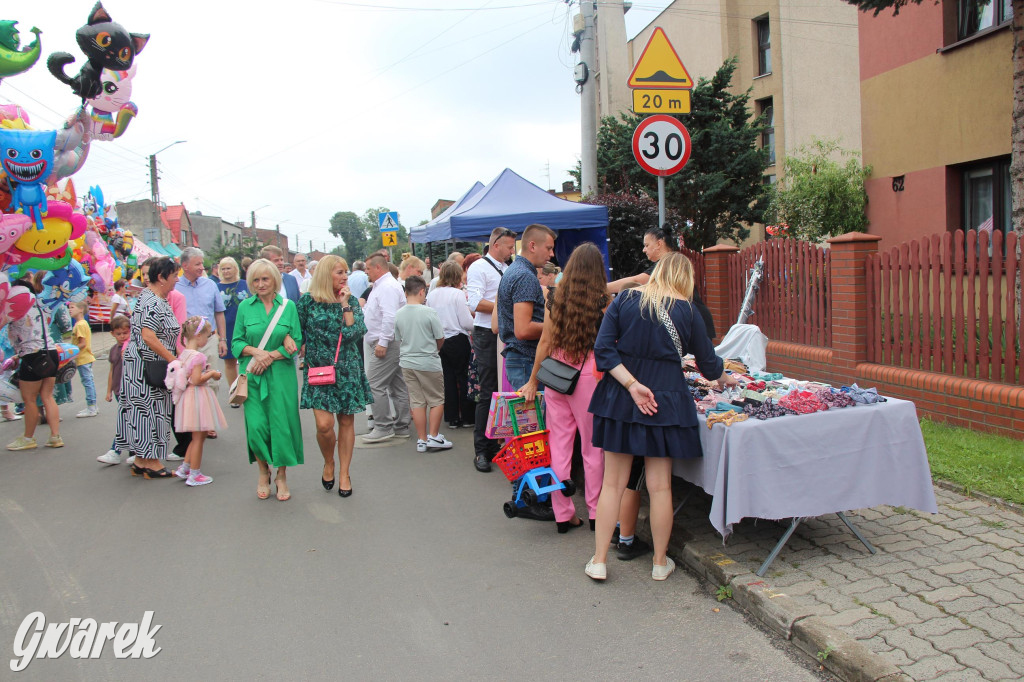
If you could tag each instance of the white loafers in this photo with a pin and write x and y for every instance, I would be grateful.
(662, 572)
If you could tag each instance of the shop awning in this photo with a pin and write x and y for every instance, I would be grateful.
(155, 246)
(172, 250)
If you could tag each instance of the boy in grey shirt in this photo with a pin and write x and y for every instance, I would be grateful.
(419, 333)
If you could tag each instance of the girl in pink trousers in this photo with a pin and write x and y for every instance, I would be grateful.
(574, 314)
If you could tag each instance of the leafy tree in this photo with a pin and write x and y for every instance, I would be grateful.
(819, 197)
(629, 217)
(347, 226)
(238, 250)
(721, 188)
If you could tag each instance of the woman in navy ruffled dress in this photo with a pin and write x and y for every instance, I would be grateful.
(642, 406)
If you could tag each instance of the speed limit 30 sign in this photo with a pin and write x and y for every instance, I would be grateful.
(661, 145)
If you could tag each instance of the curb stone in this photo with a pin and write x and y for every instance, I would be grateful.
(848, 659)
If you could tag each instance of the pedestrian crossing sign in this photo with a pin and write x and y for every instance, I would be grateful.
(388, 222)
(389, 238)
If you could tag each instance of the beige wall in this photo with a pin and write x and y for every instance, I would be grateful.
(943, 109)
(821, 72)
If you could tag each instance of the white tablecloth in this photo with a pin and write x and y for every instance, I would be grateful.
(813, 464)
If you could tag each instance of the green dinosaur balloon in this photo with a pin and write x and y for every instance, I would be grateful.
(11, 60)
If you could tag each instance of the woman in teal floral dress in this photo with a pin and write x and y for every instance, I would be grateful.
(326, 312)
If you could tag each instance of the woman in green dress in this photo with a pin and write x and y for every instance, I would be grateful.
(272, 428)
(333, 328)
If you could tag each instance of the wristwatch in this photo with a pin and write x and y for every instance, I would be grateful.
(346, 309)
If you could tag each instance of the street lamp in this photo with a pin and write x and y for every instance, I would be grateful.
(153, 183)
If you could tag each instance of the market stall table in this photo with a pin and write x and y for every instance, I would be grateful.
(802, 466)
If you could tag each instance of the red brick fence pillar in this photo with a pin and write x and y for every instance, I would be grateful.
(716, 283)
(849, 301)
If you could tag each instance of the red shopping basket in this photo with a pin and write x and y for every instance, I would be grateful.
(523, 453)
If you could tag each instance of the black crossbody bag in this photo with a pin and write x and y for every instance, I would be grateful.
(559, 376)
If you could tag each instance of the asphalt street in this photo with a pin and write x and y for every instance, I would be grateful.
(417, 575)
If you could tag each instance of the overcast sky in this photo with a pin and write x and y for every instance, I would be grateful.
(319, 106)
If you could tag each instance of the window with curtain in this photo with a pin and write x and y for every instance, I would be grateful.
(974, 16)
(764, 46)
(986, 196)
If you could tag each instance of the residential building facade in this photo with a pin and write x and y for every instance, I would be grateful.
(210, 229)
(937, 101)
(799, 58)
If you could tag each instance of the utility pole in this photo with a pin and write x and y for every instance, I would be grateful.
(153, 183)
(253, 217)
(588, 102)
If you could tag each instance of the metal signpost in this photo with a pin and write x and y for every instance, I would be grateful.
(661, 85)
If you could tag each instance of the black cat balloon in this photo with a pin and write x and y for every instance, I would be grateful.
(106, 44)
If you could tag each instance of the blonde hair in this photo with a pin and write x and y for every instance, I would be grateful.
(321, 287)
(79, 305)
(410, 263)
(260, 267)
(193, 326)
(672, 279)
(228, 260)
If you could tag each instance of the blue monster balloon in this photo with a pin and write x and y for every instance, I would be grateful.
(26, 156)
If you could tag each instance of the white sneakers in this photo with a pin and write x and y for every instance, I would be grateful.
(595, 570)
(598, 571)
(439, 442)
(90, 411)
(110, 457)
(421, 445)
(377, 435)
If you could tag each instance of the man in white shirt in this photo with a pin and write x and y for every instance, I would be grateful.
(300, 273)
(381, 355)
(482, 281)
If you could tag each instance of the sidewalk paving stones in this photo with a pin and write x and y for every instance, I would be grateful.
(943, 599)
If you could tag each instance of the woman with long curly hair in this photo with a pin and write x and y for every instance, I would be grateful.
(575, 311)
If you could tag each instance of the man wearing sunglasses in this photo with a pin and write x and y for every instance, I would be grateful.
(482, 280)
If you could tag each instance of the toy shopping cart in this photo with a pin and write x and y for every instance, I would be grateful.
(526, 461)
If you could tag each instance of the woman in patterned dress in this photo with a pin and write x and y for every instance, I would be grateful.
(144, 418)
(234, 291)
(327, 312)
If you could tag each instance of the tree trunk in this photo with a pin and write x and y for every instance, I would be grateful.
(1017, 160)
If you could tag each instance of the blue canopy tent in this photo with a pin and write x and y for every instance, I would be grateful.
(512, 201)
(438, 229)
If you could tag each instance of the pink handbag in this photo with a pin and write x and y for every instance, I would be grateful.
(325, 376)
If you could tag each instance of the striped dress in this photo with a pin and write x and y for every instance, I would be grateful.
(144, 419)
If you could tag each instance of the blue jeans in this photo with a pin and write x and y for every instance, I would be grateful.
(518, 368)
(85, 372)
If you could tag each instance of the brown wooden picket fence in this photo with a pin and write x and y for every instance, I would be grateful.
(948, 304)
(697, 258)
(793, 301)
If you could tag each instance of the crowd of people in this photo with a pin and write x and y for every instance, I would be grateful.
(413, 345)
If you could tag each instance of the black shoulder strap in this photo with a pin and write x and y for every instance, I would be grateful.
(491, 263)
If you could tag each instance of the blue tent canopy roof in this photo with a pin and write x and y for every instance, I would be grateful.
(439, 229)
(172, 250)
(511, 201)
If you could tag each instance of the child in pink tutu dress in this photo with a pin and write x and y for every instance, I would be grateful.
(196, 408)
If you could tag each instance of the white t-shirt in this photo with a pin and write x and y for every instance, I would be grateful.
(453, 309)
(121, 303)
